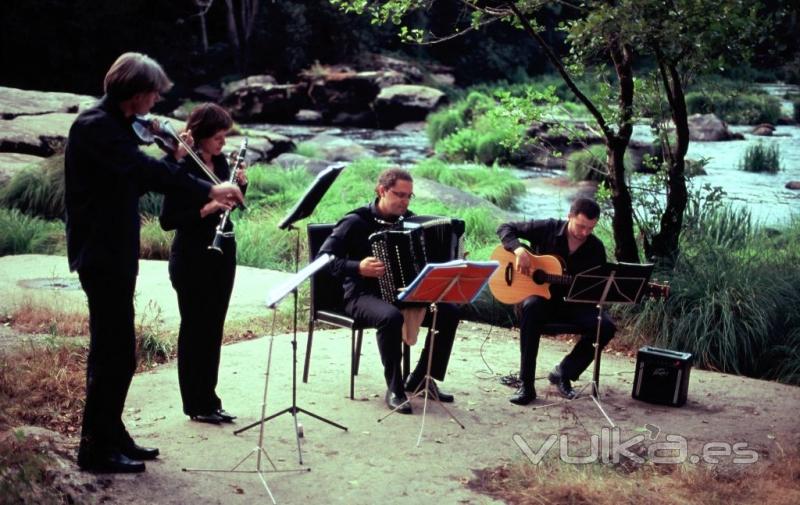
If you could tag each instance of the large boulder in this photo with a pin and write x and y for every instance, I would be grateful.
(289, 161)
(258, 99)
(22, 102)
(404, 103)
(344, 96)
(453, 197)
(333, 148)
(709, 128)
(40, 135)
(763, 130)
(793, 185)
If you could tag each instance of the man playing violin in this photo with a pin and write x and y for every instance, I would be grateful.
(105, 173)
(573, 241)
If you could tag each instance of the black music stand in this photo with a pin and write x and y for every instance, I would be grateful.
(458, 281)
(302, 209)
(605, 284)
(258, 450)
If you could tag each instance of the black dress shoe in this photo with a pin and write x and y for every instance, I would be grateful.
(524, 395)
(563, 384)
(433, 390)
(134, 451)
(394, 400)
(113, 462)
(226, 417)
(212, 418)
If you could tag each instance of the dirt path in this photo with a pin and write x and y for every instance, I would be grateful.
(379, 462)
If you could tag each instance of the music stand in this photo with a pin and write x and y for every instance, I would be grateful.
(458, 282)
(302, 209)
(258, 450)
(605, 284)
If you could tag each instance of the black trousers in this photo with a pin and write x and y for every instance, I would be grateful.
(537, 311)
(387, 319)
(112, 360)
(204, 285)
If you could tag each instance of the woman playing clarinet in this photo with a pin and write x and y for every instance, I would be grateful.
(202, 277)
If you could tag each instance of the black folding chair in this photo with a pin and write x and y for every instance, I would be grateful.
(326, 307)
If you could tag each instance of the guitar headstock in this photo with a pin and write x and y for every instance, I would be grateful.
(657, 290)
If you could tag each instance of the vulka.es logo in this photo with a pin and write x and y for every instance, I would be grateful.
(609, 447)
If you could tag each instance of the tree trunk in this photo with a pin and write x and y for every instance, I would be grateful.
(665, 243)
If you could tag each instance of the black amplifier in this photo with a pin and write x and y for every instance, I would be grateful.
(662, 376)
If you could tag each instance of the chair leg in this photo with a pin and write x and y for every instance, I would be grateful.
(353, 363)
(307, 363)
(406, 369)
(359, 339)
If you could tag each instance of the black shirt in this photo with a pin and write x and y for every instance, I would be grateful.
(349, 244)
(549, 236)
(181, 212)
(105, 173)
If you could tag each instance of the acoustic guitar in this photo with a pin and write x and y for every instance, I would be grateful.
(510, 286)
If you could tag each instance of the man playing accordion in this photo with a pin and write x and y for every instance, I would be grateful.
(359, 269)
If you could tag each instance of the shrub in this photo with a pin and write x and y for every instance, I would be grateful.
(734, 301)
(443, 123)
(24, 234)
(761, 158)
(37, 190)
(735, 107)
(154, 243)
(588, 164)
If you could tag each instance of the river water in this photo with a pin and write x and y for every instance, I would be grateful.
(549, 192)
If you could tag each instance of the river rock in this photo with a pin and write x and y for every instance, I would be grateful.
(11, 163)
(290, 161)
(307, 116)
(793, 185)
(20, 102)
(261, 101)
(335, 148)
(39, 135)
(764, 130)
(563, 138)
(708, 127)
(406, 102)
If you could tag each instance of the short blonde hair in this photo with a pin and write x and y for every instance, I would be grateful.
(135, 73)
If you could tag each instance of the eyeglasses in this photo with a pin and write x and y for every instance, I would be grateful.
(401, 195)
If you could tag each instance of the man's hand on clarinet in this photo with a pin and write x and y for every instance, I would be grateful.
(371, 267)
(226, 193)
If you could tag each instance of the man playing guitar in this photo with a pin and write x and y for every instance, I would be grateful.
(573, 241)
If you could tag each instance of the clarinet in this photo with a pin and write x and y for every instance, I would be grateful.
(220, 233)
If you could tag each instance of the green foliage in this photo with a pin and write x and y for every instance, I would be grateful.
(37, 190)
(734, 301)
(761, 158)
(588, 164)
(154, 243)
(494, 184)
(23, 234)
(150, 204)
(735, 107)
(307, 149)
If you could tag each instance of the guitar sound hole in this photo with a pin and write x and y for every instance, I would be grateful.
(539, 276)
(509, 274)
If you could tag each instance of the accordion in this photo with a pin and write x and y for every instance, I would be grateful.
(413, 243)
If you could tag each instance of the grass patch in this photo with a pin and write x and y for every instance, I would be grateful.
(552, 482)
(37, 190)
(761, 158)
(494, 184)
(588, 164)
(734, 302)
(24, 234)
(735, 106)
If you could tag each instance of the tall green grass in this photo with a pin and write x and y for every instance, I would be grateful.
(734, 302)
(761, 158)
(23, 234)
(494, 184)
(37, 190)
